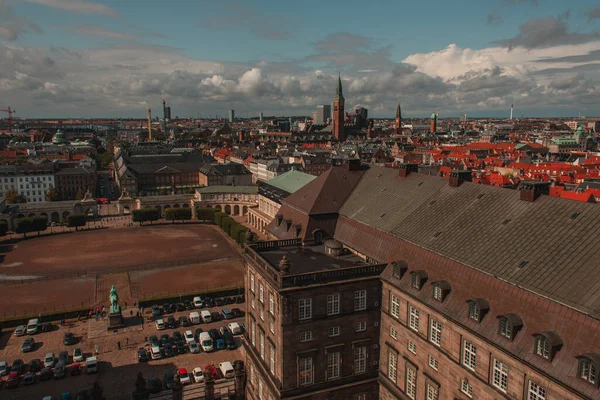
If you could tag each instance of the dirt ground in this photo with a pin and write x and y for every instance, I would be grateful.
(112, 249)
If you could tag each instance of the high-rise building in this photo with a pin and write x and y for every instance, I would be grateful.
(337, 128)
(398, 124)
(323, 113)
(260, 117)
(231, 115)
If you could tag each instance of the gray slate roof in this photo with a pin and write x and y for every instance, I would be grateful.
(491, 230)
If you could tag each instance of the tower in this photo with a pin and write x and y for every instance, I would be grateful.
(433, 126)
(338, 113)
(398, 120)
(149, 124)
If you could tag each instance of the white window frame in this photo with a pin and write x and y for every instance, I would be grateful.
(272, 324)
(360, 300)
(272, 358)
(305, 336)
(262, 343)
(395, 306)
(500, 375)
(435, 332)
(474, 311)
(535, 391)
(411, 382)
(413, 318)
(433, 362)
(361, 326)
(334, 365)
(251, 282)
(392, 366)
(304, 309)
(253, 332)
(393, 333)
(359, 396)
(433, 392)
(542, 347)
(305, 371)
(272, 303)
(505, 328)
(333, 304)
(262, 313)
(469, 358)
(333, 331)
(412, 347)
(587, 370)
(360, 359)
(466, 387)
(437, 292)
(261, 292)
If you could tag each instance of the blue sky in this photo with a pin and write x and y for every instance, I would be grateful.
(104, 58)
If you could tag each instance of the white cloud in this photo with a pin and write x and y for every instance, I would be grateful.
(77, 6)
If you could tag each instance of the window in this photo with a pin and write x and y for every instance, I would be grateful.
(306, 371)
(272, 324)
(252, 282)
(253, 332)
(252, 376)
(395, 307)
(393, 332)
(333, 365)
(435, 332)
(305, 309)
(262, 344)
(272, 358)
(262, 313)
(360, 300)
(411, 382)
(505, 327)
(392, 366)
(416, 281)
(469, 355)
(272, 303)
(437, 292)
(396, 271)
(360, 359)
(500, 375)
(412, 347)
(542, 347)
(588, 370)
(466, 387)
(252, 302)
(413, 320)
(474, 311)
(432, 392)
(361, 326)
(261, 292)
(334, 331)
(333, 304)
(306, 336)
(433, 362)
(359, 396)
(536, 392)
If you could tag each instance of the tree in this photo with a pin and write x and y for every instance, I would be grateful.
(51, 194)
(145, 214)
(13, 197)
(219, 218)
(24, 226)
(226, 224)
(242, 236)
(191, 191)
(234, 231)
(76, 220)
(178, 214)
(80, 194)
(3, 227)
(40, 223)
(205, 213)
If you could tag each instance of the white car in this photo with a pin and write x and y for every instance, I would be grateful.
(198, 375)
(77, 355)
(33, 326)
(234, 328)
(197, 302)
(184, 377)
(189, 336)
(194, 348)
(49, 360)
(160, 325)
(155, 353)
(3, 368)
(226, 369)
(20, 331)
(206, 342)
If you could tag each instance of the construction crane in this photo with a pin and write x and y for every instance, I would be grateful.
(10, 121)
(149, 124)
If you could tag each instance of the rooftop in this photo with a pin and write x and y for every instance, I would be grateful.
(291, 180)
(228, 189)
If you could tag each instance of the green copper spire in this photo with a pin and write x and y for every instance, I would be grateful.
(338, 92)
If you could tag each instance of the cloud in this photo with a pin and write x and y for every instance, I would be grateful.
(515, 2)
(77, 6)
(546, 32)
(13, 26)
(494, 19)
(594, 13)
(240, 16)
(98, 31)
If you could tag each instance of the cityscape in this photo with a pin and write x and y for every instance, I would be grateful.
(221, 200)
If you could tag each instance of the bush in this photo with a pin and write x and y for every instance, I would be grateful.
(76, 220)
(145, 214)
(219, 218)
(242, 235)
(226, 224)
(205, 213)
(3, 227)
(24, 226)
(40, 223)
(178, 214)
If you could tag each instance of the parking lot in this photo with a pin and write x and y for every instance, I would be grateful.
(117, 369)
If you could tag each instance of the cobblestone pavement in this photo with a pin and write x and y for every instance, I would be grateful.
(118, 369)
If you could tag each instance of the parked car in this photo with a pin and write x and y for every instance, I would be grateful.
(234, 328)
(176, 336)
(198, 374)
(49, 360)
(17, 366)
(63, 357)
(226, 313)
(142, 355)
(35, 365)
(156, 311)
(226, 369)
(3, 368)
(194, 317)
(194, 348)
(12, 381)
(20, 330)
(171, 322)
(164, 339)
(210, 370)
(188, 305)
(47, 327)
(216, 316)
(229, 300)
(197, 302)
(75, 369)
(168, 350)
(189, 336)
(28, 345)
(197, 333)
(184, 377)
(208, 302)
(167, 308)
(236, 312)
(219, 302)
(155, 385)
(154, 341)
(160, 324)
(214, 334)
(69, 339)
(180, 348)
(229, 340)
(60, 371)
(77, 355)
(45, 374)
(91, 365)
(184, 321)
(155, 353)
(33, 326)
(180, 307)
(206, 316)
(29, 378)
(169, 379)
(206, 342)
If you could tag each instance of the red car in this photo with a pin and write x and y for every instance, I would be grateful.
(209, 371)
(75, 369)
(13, 380)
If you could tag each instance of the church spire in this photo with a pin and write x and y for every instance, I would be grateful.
(398, 112)
(338, 92)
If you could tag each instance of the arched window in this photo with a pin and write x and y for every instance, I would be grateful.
(588, 368)
(418, 279)
(509, 325)
(547, 344)
(441, 289)
(477, 309)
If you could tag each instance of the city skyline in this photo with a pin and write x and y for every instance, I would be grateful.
(77, 58)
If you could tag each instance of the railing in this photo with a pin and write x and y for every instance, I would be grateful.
(273, 244)
(236, 288)
(43, 310)
(332, 275)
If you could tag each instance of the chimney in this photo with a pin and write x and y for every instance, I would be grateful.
(531, 190)
(457, 177)
(354, 164)
(406, 169)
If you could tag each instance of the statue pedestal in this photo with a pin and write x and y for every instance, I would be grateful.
(115, 321)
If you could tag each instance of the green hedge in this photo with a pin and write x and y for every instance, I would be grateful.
(205, 213)
(145, 214)
(3, 227)
(219, 217)
(31, 224)
(76, 220)
(178, 214)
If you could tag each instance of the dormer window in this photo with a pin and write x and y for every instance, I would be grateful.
(477, 309)
(589, 366)
(288, 224)
(297, 230)
(440, 290)
(509, 325)
(418, 279)
(547, 344)
(399, 268)
(278, 219)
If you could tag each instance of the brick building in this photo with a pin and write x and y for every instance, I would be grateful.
(69, 181)
(224, 175)
(488, 293)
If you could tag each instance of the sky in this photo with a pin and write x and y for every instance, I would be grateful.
(84, 58)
